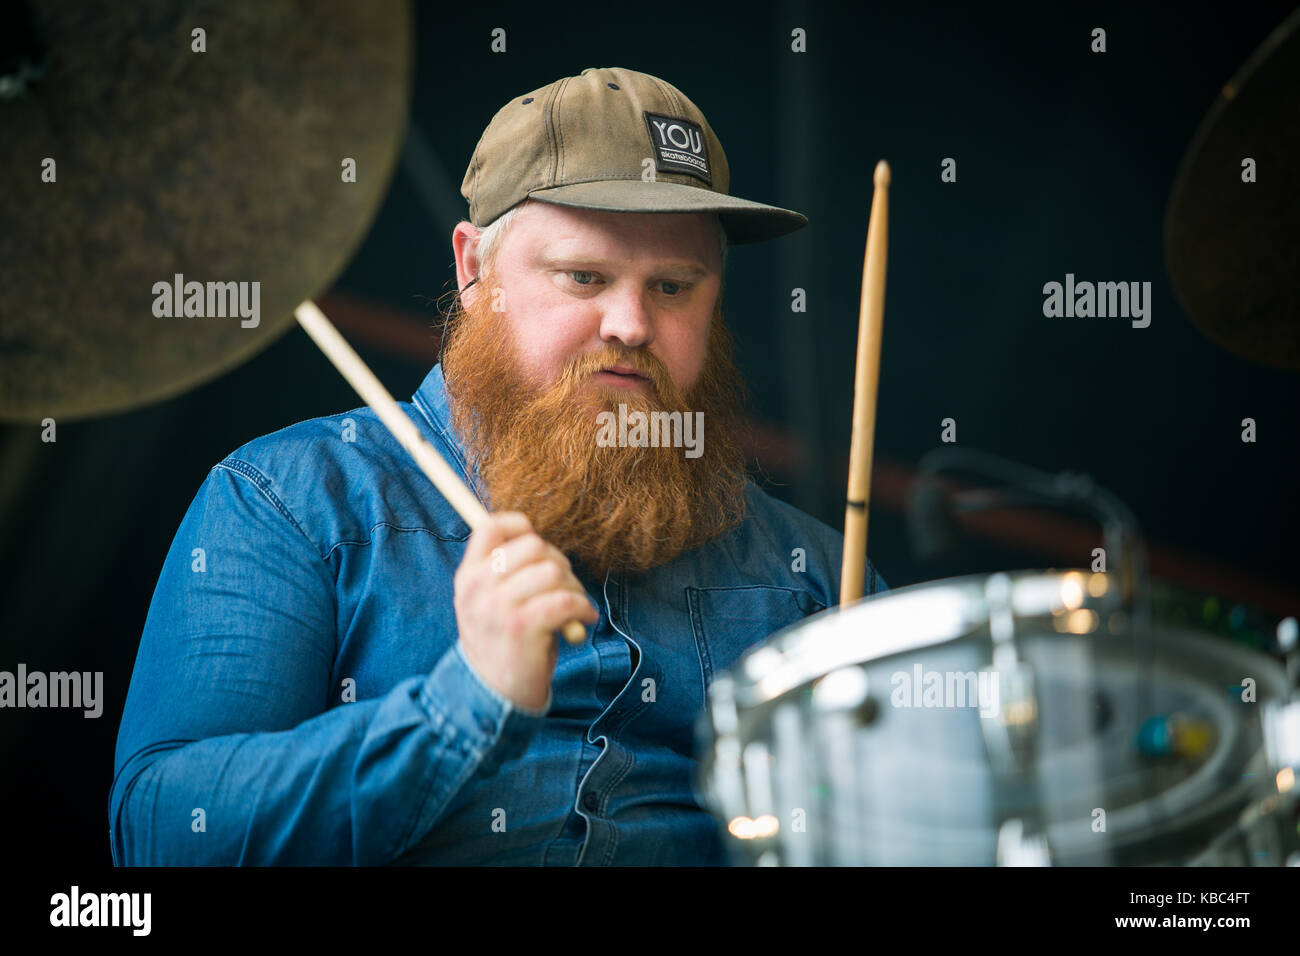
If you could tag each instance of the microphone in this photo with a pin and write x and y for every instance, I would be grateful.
(932, 521)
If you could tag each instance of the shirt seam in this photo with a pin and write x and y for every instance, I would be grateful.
(363, 543)
(263, 484)
(618, 778)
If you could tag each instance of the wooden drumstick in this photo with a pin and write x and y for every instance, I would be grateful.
(373, 393)
(866, 383)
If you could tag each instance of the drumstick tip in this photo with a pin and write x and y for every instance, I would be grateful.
(881, 177)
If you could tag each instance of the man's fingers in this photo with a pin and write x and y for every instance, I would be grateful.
(499, 529)
(538, 578)
(523, 550)
(553, 609)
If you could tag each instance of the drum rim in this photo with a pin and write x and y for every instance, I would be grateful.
(756, 679)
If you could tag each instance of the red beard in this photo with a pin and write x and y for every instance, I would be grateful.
(610, 508)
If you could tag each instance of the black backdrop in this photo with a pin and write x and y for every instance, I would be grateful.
(1065, 160)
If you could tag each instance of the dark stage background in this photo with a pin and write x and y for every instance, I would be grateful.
(1065, 160)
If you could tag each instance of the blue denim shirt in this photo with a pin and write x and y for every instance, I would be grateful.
(300, 696)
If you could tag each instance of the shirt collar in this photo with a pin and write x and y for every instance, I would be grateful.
(434, 403)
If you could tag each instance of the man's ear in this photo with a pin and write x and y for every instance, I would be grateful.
(464, 241)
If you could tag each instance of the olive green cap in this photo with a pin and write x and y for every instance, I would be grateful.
(615, 140)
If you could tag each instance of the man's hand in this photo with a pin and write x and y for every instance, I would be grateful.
(513, 591)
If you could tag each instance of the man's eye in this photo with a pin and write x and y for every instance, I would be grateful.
(590, 277)
(678, 287)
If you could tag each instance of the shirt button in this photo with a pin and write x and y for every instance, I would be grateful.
(591, 801)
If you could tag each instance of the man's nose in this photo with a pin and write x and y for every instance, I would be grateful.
(627, 318)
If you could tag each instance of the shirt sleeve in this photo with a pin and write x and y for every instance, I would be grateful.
(229, 751)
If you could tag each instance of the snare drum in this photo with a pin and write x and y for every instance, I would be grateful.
(1014, 718)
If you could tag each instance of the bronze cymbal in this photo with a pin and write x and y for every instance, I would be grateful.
(222, 166)
(1232, 247)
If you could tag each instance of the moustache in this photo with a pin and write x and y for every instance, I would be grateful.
(643, 363)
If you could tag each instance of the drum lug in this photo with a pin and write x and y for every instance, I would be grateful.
(1011, 734)
(1018, 846)
(1282, 740)
(1281, 722)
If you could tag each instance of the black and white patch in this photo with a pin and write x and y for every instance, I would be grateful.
(678, 146)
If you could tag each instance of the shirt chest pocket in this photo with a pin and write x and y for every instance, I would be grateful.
(729, 621)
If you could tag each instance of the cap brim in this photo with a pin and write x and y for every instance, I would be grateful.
(742, 220)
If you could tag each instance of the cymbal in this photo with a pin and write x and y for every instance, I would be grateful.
(219, 166)
(1232, 248)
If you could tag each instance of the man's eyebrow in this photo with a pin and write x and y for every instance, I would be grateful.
(679, 267)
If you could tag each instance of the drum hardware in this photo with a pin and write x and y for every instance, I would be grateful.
(1010, 737)
(1282, 720)
(1288, 637)
(1282, 738)
(1125, 608)
(1266, 830)
(932, 511)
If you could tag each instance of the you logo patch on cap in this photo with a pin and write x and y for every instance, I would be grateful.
(678, 146)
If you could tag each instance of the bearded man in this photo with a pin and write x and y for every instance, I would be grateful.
(335, 671)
